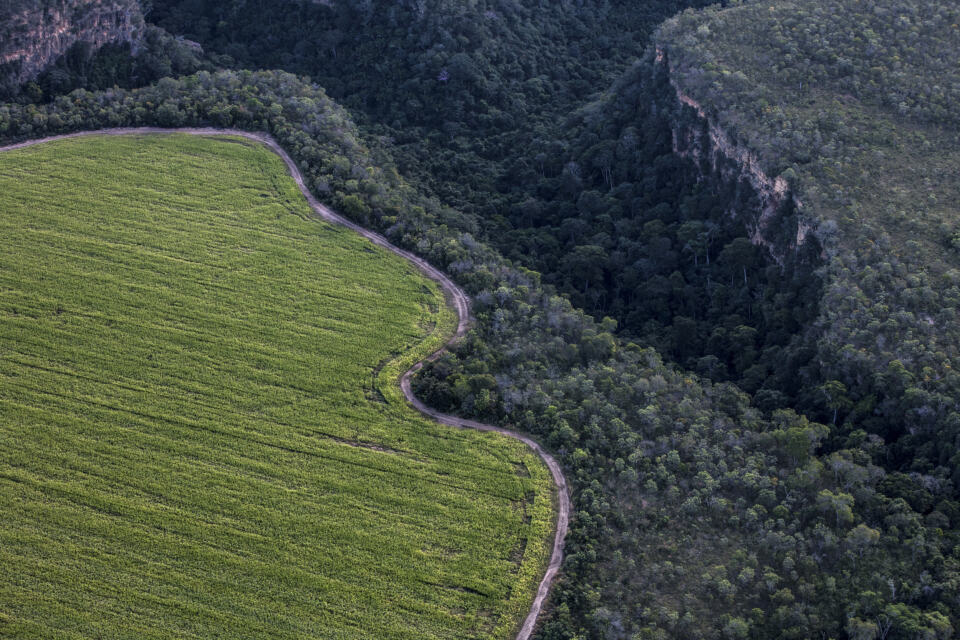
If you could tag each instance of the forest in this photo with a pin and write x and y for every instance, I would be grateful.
(110, 493)
(760, 426)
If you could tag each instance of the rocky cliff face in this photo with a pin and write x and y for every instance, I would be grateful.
(773, 206)
(34, 33)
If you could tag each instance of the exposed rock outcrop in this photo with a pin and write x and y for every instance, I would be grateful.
(34, 33)
(707, 143)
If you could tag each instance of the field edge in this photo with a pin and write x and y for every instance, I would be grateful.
(551, 501)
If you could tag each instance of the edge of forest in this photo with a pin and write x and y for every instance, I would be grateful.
(455, 297)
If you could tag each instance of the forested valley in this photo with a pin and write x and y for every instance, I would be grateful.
(714, 267)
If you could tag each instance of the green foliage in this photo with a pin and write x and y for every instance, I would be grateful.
(459, 88)
(856, 106)
(157, 56)
(697, 514)
(195, 438)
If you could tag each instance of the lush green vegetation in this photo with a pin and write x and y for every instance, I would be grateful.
(627, 229)
(562, 181)
(826, 504)
(858, 114)
(195, 438)
(158, 55)
(460, 89)
(636, 435)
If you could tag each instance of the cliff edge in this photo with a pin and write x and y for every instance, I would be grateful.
(35, 33)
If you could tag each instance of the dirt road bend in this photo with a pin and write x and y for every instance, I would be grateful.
(454, 294)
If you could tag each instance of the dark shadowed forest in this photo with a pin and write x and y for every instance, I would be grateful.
(714, 257)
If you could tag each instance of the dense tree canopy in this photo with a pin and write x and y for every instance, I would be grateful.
(761, 432)
(459, 87)
(857, 111)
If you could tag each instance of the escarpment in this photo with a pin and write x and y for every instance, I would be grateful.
(767, 204)
(35, 34)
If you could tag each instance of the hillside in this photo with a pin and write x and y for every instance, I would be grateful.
(35, 34)
(746, 373)
(458, 88)
(857, 117)
(752, 530)
(196, 440)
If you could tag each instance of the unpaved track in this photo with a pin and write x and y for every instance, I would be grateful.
(454, 294)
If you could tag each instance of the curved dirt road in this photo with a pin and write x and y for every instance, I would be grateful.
(457, 298)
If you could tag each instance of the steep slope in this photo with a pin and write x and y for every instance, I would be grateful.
(697, 515)
(851, 113)
(35, 33)
(458, 87)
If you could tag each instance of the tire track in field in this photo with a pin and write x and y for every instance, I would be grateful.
(454, 294)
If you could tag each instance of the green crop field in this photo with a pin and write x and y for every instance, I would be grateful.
(200, 429)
